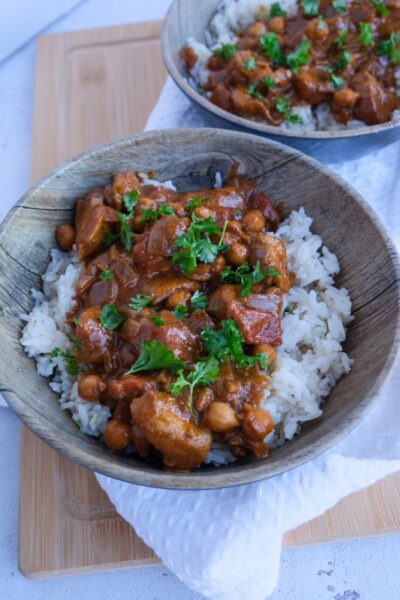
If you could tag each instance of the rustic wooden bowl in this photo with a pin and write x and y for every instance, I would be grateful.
(190, 18)
(347, 224)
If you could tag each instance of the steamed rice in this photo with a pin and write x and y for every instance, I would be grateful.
(235, 15)
(309, 362)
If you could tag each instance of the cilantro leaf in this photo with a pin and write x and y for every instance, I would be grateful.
(365, 38)
(110, 318)
(342, 62)
(226, 51)
(157, 321)
(299, 57)
(131, 200)
(193, 203)
(106, 275)
(139, 302)
(250, 63)
(154, 355)
(321, 23)
(109, 237)
(269, 82)
(246, 276)
(125, 232)
(149, 214)
(277, 11)
(180, 311)
(389, 47)
(70, 364)
(195, 245)
(270, 46)
(340, 6)
(198, 301)
(380, 8)
(252, 93)
(76, 321)
(202, 373)
(310, 7)
(341, 38)
(282, 105)
(337, 82)
(227, 343)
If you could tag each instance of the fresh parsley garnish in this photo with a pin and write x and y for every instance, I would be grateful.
(277, 11)
(269, 82)
(180, 311)
(131, 200)
(157, 321)
(226, 51)
(342, 61)
(195, 245)
(70, 364)
(282, 106)
(310, 7)
(154, 355)
(106, 275)
(270, 46)
(337, 82)
(125, 232)
(250, 63)
(341, 38)
(139, 302)
(110, 317)
(389, 47)
(321, 23)
(193, 203)
(109, 237)
(227, 343)
(365, 38)
(149, 214)
(299, 57)
(380, 8)
(198, 301)
(247, 276)
(202, 373)
(252, 93)
(76, 321)
(340, 6)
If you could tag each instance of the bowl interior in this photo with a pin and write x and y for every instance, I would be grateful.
(191, 158)
(190, 19)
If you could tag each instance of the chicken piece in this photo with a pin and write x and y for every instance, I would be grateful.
(130, 386)
(161, 287)
(122, 184)
(91, 227)
(313, 85)
(258, 316)
(183, 444)
(221, 96)
(270, 252)
(95, 341)
(174, 334)
(247, 106)
(375, 104)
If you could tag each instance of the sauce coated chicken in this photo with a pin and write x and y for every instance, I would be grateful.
(177, 315)
(339, 52)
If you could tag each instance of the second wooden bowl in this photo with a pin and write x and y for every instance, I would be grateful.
(191, 158)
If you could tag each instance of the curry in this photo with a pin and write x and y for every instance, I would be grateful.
(343, 54)
(177, 315)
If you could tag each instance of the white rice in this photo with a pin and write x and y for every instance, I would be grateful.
(309, 362)
(235, 15)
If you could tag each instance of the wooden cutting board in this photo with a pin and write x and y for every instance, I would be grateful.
(92, 86)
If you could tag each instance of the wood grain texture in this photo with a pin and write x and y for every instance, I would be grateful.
(67, 523)
(190, 19)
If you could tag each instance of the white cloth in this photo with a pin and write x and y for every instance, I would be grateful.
(226, 544)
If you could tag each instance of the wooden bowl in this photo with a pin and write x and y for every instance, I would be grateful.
(190, 18)
(369, 269)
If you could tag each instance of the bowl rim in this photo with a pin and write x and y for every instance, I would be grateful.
(50, 433)
(254, 126)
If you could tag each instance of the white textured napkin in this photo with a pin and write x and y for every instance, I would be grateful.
(226, 544)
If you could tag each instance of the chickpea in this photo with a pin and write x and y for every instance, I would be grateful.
(345, 98)
(231, 387)
(178, 209)
(220, 417)
(202, 212)
(90, 387)
(253, 221)
(237, 254)
(266, 349)
(218, 264)
(316, 30)
(277, 25)
(117, 435)
(256, 29)
(256, 423)
(65, 237)
(178, 298)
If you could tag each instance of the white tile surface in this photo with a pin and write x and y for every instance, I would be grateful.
(356, 570)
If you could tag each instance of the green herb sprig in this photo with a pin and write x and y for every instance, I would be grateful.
(247, 276)
(154, 355)
(202, 373)
(70, 364)
(110, 317)
(225, 51)
(270, 46)
(282, 105)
